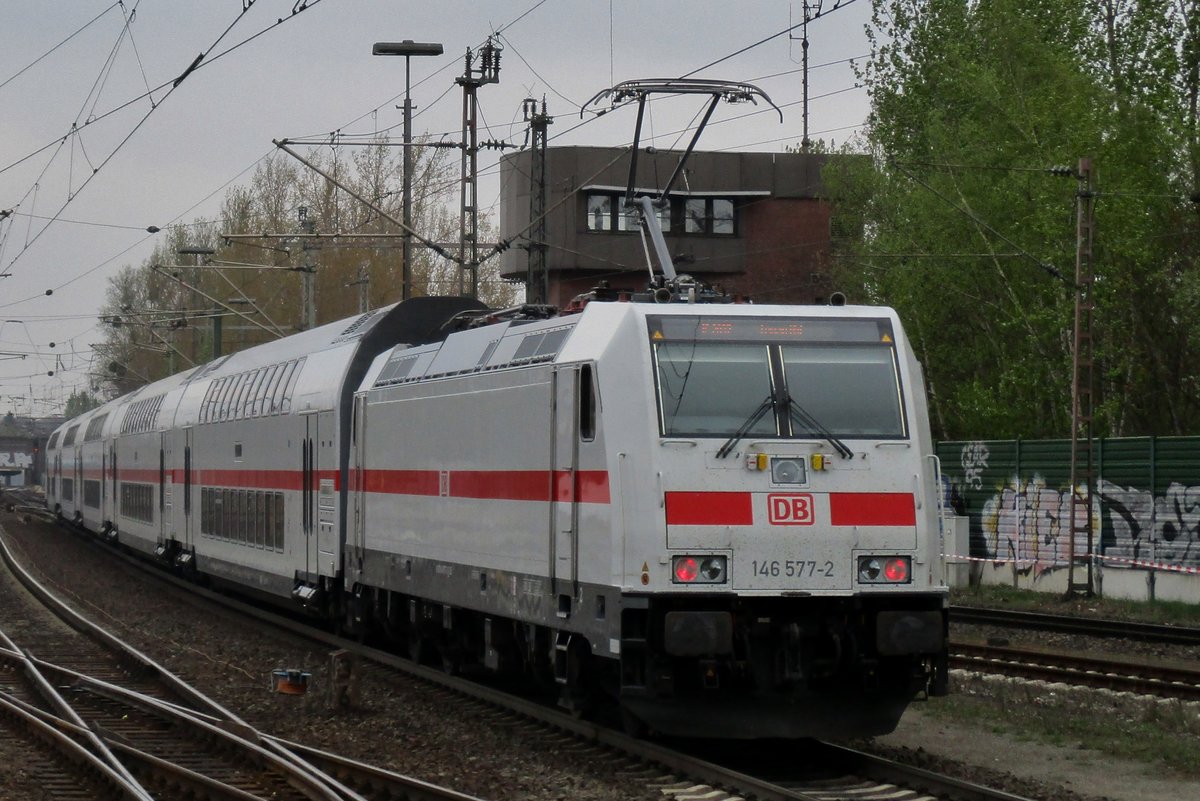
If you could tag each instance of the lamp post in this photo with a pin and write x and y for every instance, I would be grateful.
(408, 48)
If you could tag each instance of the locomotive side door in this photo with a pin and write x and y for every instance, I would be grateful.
(564, 466)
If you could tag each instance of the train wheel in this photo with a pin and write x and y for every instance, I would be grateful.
(632, 724)
(419, 647)
(451, 659)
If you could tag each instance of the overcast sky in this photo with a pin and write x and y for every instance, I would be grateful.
(88, 160)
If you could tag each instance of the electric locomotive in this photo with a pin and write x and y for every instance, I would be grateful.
(683, 507)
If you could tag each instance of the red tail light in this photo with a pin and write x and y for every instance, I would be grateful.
(686, 569)
(896, 570)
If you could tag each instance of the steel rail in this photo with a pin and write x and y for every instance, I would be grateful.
(1070, 624)
(1119, 675)
(63, 744)
(304, 774)
(935, 784)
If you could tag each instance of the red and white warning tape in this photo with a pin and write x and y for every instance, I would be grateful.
(1193, 571)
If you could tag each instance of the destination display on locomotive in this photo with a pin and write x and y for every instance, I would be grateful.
(767, 329)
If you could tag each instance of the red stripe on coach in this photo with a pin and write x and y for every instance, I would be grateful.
(591, 486)
(872, 509)
(709, 509)
(401, 482)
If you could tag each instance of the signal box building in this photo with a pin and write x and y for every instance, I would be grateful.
(756, 225)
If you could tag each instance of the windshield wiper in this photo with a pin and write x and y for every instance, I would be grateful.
(751, 421)
(801, 416)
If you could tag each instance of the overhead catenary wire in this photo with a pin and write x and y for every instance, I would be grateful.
(53, 49)
(154, 106)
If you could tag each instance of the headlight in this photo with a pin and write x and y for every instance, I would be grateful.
(884, 569)
(698, 570)
(787, 470)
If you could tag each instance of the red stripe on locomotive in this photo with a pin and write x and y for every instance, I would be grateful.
(709, 509)
(872, 509)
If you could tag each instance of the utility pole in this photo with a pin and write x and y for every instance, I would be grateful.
(199, 253)
(1083, 386)
(811, 12)
(363, 282)
(468, 244)
(537, 282)
(308, 271)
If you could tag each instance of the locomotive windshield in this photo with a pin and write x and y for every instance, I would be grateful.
(718, 377)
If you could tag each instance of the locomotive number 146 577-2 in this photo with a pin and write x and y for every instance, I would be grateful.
(791, 568)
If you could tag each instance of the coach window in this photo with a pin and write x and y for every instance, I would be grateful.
(272, 399)
(282, 401)
(205, 406)
(264, 395)
(239, 405)
(291, 385)
(268, 525)
(246, 407)
(260, 519)
(278, 527)
(226, 399)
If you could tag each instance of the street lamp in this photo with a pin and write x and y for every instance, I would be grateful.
(408, 48)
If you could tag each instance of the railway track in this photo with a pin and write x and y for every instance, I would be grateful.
(96, 719)
(1071, 668)
(667, 770)
(1067, 624)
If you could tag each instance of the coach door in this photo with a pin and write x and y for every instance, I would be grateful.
(189, 476)
(166, 486)
(564, 503)
(308, 469)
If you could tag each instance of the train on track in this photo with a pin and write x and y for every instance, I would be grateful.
(720, 517)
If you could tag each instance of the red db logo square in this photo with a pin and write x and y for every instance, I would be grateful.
(790, 510)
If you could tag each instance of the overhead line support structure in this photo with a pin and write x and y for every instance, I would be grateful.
(471, 79)
(537, 283)
(1083, 389)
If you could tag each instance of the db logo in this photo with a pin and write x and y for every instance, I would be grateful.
(790, 510)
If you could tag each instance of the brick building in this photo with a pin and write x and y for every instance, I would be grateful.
(752, 224)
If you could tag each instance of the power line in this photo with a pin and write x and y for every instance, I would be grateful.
(196, 63)
(80, 30)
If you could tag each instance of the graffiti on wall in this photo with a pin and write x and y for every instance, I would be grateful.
(974, 460)
(1029, 522)
(1160, 529)
(16, 459)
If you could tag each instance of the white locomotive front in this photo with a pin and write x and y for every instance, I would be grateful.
(729, 506)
